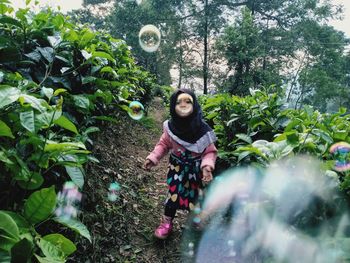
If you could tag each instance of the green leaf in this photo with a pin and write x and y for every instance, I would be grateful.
(88, 79)
(20, 221)
(46, 119)
(71, 35)
(48, 260)
(75, 225)
(101, 54)
(6, 242)
(40, 205)
(292, 137)
(81, 101)
(91, 129)
(61, 242)
(8, 226)
(54, 40)
(66, 123)
(230, 121)
(244, 137)
(63, 146)
(47, 53)
(27, 120)
(291, 125)
(5, 130)
(59, 91)
(4, 159)
(76, 174)
(22, 251)
(86, 38)
(51, 251)
(9, 20)
(48, 92)
(34, 182)
(39, 104)
(8, 95)
(35, 56)
(109, 69)
(242, 155)
(340, 135)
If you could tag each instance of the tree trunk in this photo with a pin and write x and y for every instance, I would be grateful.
(180, 63)
(205, 60)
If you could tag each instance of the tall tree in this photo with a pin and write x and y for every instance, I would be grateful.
(277, 37)
(324, 80)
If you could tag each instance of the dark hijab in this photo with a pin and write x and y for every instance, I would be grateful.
(192, 127)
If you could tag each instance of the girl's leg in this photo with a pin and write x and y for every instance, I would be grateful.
(169, 211)
(166, 224)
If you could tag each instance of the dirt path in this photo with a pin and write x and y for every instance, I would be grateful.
(122, 231)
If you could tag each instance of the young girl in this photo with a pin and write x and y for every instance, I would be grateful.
(192, 157)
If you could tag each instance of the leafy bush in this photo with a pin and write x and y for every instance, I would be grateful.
(257, 129)
(56, 80)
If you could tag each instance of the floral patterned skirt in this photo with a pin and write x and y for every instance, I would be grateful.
(184, 181)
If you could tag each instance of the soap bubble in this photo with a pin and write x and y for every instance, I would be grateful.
(149, 38)
(68, 201)
(136, 110)
(291, 211)
(341, 153)
(113, 191)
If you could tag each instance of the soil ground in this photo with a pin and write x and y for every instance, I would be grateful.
(122, 231)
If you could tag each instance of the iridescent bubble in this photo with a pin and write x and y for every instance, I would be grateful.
(113, 191)
(232, 252)
(68, 201)
(149, 38)
(190, 251)
(196, 220)
(291, 211)
(341, 153)
(197, 210)
(136, 110)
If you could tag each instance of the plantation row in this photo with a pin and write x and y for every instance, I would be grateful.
(58, 81)
(260, 128)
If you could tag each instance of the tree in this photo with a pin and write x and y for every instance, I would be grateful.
(324, 80)
(273, 46)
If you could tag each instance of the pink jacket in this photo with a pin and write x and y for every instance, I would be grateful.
(166, 143)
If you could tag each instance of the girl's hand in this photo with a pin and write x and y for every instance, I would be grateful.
(148, 164)
(207, 174)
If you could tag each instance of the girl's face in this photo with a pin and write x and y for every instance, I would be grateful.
(184, 105)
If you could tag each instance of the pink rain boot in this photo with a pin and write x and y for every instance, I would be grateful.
(165, 227)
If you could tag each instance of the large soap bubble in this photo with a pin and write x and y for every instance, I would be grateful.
(149, 38)
(136, 110)
(341, 152)
(289, 212)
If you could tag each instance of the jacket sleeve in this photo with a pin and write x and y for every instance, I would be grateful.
(161, 149)
(209, 156)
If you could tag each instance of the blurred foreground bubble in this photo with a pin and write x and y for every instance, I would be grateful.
(341, 153)
(113, 191)
(136, 110)
(288, 212)
(68, 201)
(149, 38)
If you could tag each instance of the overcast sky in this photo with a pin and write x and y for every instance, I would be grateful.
(67, 5)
